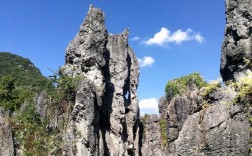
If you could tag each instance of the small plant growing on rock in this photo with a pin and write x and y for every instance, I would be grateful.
(243, 88)
(163, 126)
(64, 87)
(211, 87)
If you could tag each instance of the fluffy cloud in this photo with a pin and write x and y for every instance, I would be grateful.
(149, 106)
(136, 38)
(146, 61)
(165, 36)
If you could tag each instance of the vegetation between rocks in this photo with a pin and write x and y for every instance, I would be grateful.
(179, 85)
(163, 126)
(32, 132)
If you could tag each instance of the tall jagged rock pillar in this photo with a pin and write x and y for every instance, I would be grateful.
(106, 113)
(237, 46)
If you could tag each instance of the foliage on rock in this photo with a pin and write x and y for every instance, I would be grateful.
(211, 87)
(35, 135)
(244, 88)
(20, 81)
(32, 134)
(64, 87)
(179, 85)
(163, 126)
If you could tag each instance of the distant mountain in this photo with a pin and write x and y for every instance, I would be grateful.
(22, 69)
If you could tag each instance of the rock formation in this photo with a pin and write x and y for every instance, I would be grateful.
(179, 108)
(213, 128)
(106, 114)
(151, 142)
(103, 117)
(6, 138)
(215, 122)
(237, 46)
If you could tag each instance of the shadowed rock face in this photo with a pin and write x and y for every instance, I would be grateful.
(105, 114)
(237, 46)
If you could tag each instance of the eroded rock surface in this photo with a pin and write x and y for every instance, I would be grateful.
(151, 143)
(237, 46)
(197, 127)
(179, 108)
(106, 114)
(217, 130)
(6, 140)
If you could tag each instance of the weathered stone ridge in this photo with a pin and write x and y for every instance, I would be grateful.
(213, 128)
(237, 46)
(106, 114)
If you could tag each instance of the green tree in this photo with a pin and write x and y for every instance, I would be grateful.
(8, 100)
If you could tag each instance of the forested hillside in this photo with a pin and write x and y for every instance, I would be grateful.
(22, 70)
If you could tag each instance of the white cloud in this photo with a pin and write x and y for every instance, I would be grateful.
(136, 38)
(199, 38)
(165, 36)
(146, 61)
(149, 106)
(180, 36)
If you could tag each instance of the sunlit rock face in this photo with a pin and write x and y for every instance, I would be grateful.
(6, 137)
(237, 46)
(205, 126)
(105, 115)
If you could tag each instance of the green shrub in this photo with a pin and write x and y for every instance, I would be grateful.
(64, 87)
(210, 87)
(163, 125)
(31, 132)
(179, 85)
(244, 89)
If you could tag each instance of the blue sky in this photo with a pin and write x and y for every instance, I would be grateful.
(170, 38)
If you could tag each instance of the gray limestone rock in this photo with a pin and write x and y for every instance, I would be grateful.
(179, 108)
(162, 106)
(105, 114)
(83, 134)
(6, 138)
(236, 54)
(41, 103)
(217, 130)
(151, 140)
